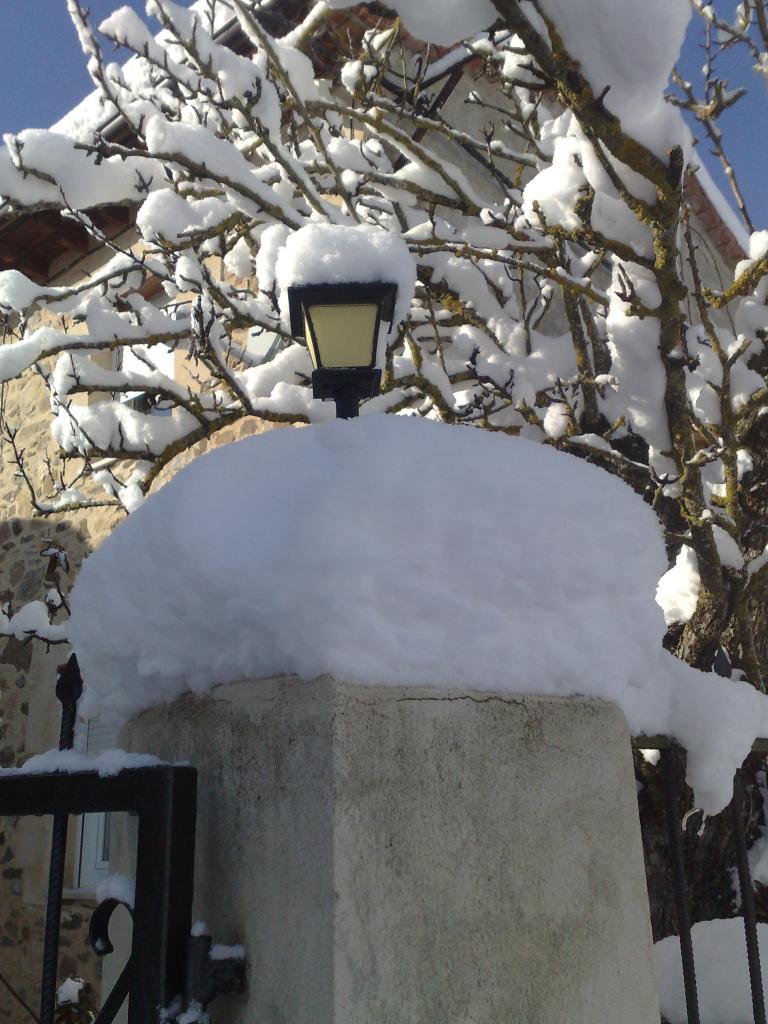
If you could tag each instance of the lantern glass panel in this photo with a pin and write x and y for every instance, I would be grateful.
(341, 335)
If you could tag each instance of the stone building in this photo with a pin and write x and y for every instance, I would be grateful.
(54, 250)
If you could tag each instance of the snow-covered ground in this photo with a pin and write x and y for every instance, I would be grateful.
(397, 551)
(722, 975)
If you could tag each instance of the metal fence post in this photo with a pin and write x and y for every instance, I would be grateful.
(671, 807)
(69, 687)
(747, 901)
(162, 917)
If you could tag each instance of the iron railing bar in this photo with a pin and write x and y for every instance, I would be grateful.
(681, 891)
(53, 918)
(747, 901)
(69, 687)
(52, 792)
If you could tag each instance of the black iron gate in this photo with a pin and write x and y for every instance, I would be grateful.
(168, 970)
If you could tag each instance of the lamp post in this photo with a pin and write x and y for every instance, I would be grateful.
(340, 324)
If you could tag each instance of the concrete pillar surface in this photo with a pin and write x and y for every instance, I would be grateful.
(398, 856)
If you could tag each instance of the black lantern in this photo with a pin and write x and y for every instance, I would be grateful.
(340, 324)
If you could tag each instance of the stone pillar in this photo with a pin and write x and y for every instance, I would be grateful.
(398, 856)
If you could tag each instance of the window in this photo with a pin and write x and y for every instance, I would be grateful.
(93, 846)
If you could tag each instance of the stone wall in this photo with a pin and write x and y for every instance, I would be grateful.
(29, 718)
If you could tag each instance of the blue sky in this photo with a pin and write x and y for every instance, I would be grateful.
(743, 127)
(42, 68)
(42, 76)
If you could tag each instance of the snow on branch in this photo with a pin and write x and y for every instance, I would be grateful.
(532, 182)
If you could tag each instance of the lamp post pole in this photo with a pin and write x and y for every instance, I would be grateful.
(347, 402)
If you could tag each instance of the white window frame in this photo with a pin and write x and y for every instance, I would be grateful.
(92, 863)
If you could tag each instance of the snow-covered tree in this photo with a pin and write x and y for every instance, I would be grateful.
(538, 177)
(559, 293)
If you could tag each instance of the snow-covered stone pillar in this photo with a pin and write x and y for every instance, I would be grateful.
(409, 856)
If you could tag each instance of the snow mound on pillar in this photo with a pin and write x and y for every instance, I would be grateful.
(396, 551)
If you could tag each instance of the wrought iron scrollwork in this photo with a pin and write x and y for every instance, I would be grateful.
(101, 944)
(98, 932)
(207, 977)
